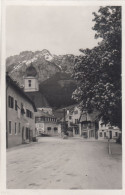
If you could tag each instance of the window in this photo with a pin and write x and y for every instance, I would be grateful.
(100, 134)
(89, 124)
(55, 128)
(116, 134)
(10, 130)
(104, 134)
(76, 121)
(70, 117)
(84, 125)
(15, 129)
(48, 128)
(27, 133)
(103, 125)
(19, 128)
(22, 109)
(29, 113)
(29, 82)
(10, 102)
(15, 104)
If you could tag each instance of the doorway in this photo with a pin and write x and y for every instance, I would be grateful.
(110, 134)
(22, 134)
(76, 130)
(27, 133)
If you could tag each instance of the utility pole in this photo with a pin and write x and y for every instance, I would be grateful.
(64, 126)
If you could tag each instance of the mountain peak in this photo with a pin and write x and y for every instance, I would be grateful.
(45, 63)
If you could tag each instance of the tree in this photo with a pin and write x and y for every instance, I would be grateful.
(98, 70)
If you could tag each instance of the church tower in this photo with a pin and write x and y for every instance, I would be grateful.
(31, 80)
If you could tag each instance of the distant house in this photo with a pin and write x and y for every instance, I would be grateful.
(81, 123)
(88, 124)
(20, 117)
(108, 131)
(72, 119)
(47, 124)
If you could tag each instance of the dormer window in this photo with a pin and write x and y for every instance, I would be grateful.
(29, 82)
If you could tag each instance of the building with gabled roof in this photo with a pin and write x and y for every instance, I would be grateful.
(106, 131)
(20, 117)
(81, 123)
(88, 124)
(47, 124)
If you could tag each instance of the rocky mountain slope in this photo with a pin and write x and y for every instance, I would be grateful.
(54, 74)
(45, 63)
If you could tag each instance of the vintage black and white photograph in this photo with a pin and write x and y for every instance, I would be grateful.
(63, 97)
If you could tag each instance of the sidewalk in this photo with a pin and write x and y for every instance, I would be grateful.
(116, 148)
(21, 146)
(88, 139)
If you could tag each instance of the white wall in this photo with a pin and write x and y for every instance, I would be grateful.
(44, 125)
(34, 84)
(104, 130)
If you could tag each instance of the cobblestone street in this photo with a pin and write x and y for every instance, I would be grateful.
(55, 163)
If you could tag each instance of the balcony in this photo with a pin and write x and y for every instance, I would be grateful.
(73, 124)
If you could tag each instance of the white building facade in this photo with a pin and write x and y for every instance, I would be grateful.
(72, 119)
(108, 132)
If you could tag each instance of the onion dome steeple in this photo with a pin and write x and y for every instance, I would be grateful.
(31, 71)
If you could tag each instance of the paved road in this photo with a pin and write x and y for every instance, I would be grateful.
(55, 163)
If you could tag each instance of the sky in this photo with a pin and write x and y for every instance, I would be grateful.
(59, 29)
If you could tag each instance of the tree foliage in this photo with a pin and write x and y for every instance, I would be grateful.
(98, 70)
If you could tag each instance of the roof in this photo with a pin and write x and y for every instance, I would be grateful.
(38, 99)
(44, 114)
(70, 108)
(17, 87)
(88, 116)
(31, 71)
(59, 113)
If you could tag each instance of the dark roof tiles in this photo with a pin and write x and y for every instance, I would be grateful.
(38, 99)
